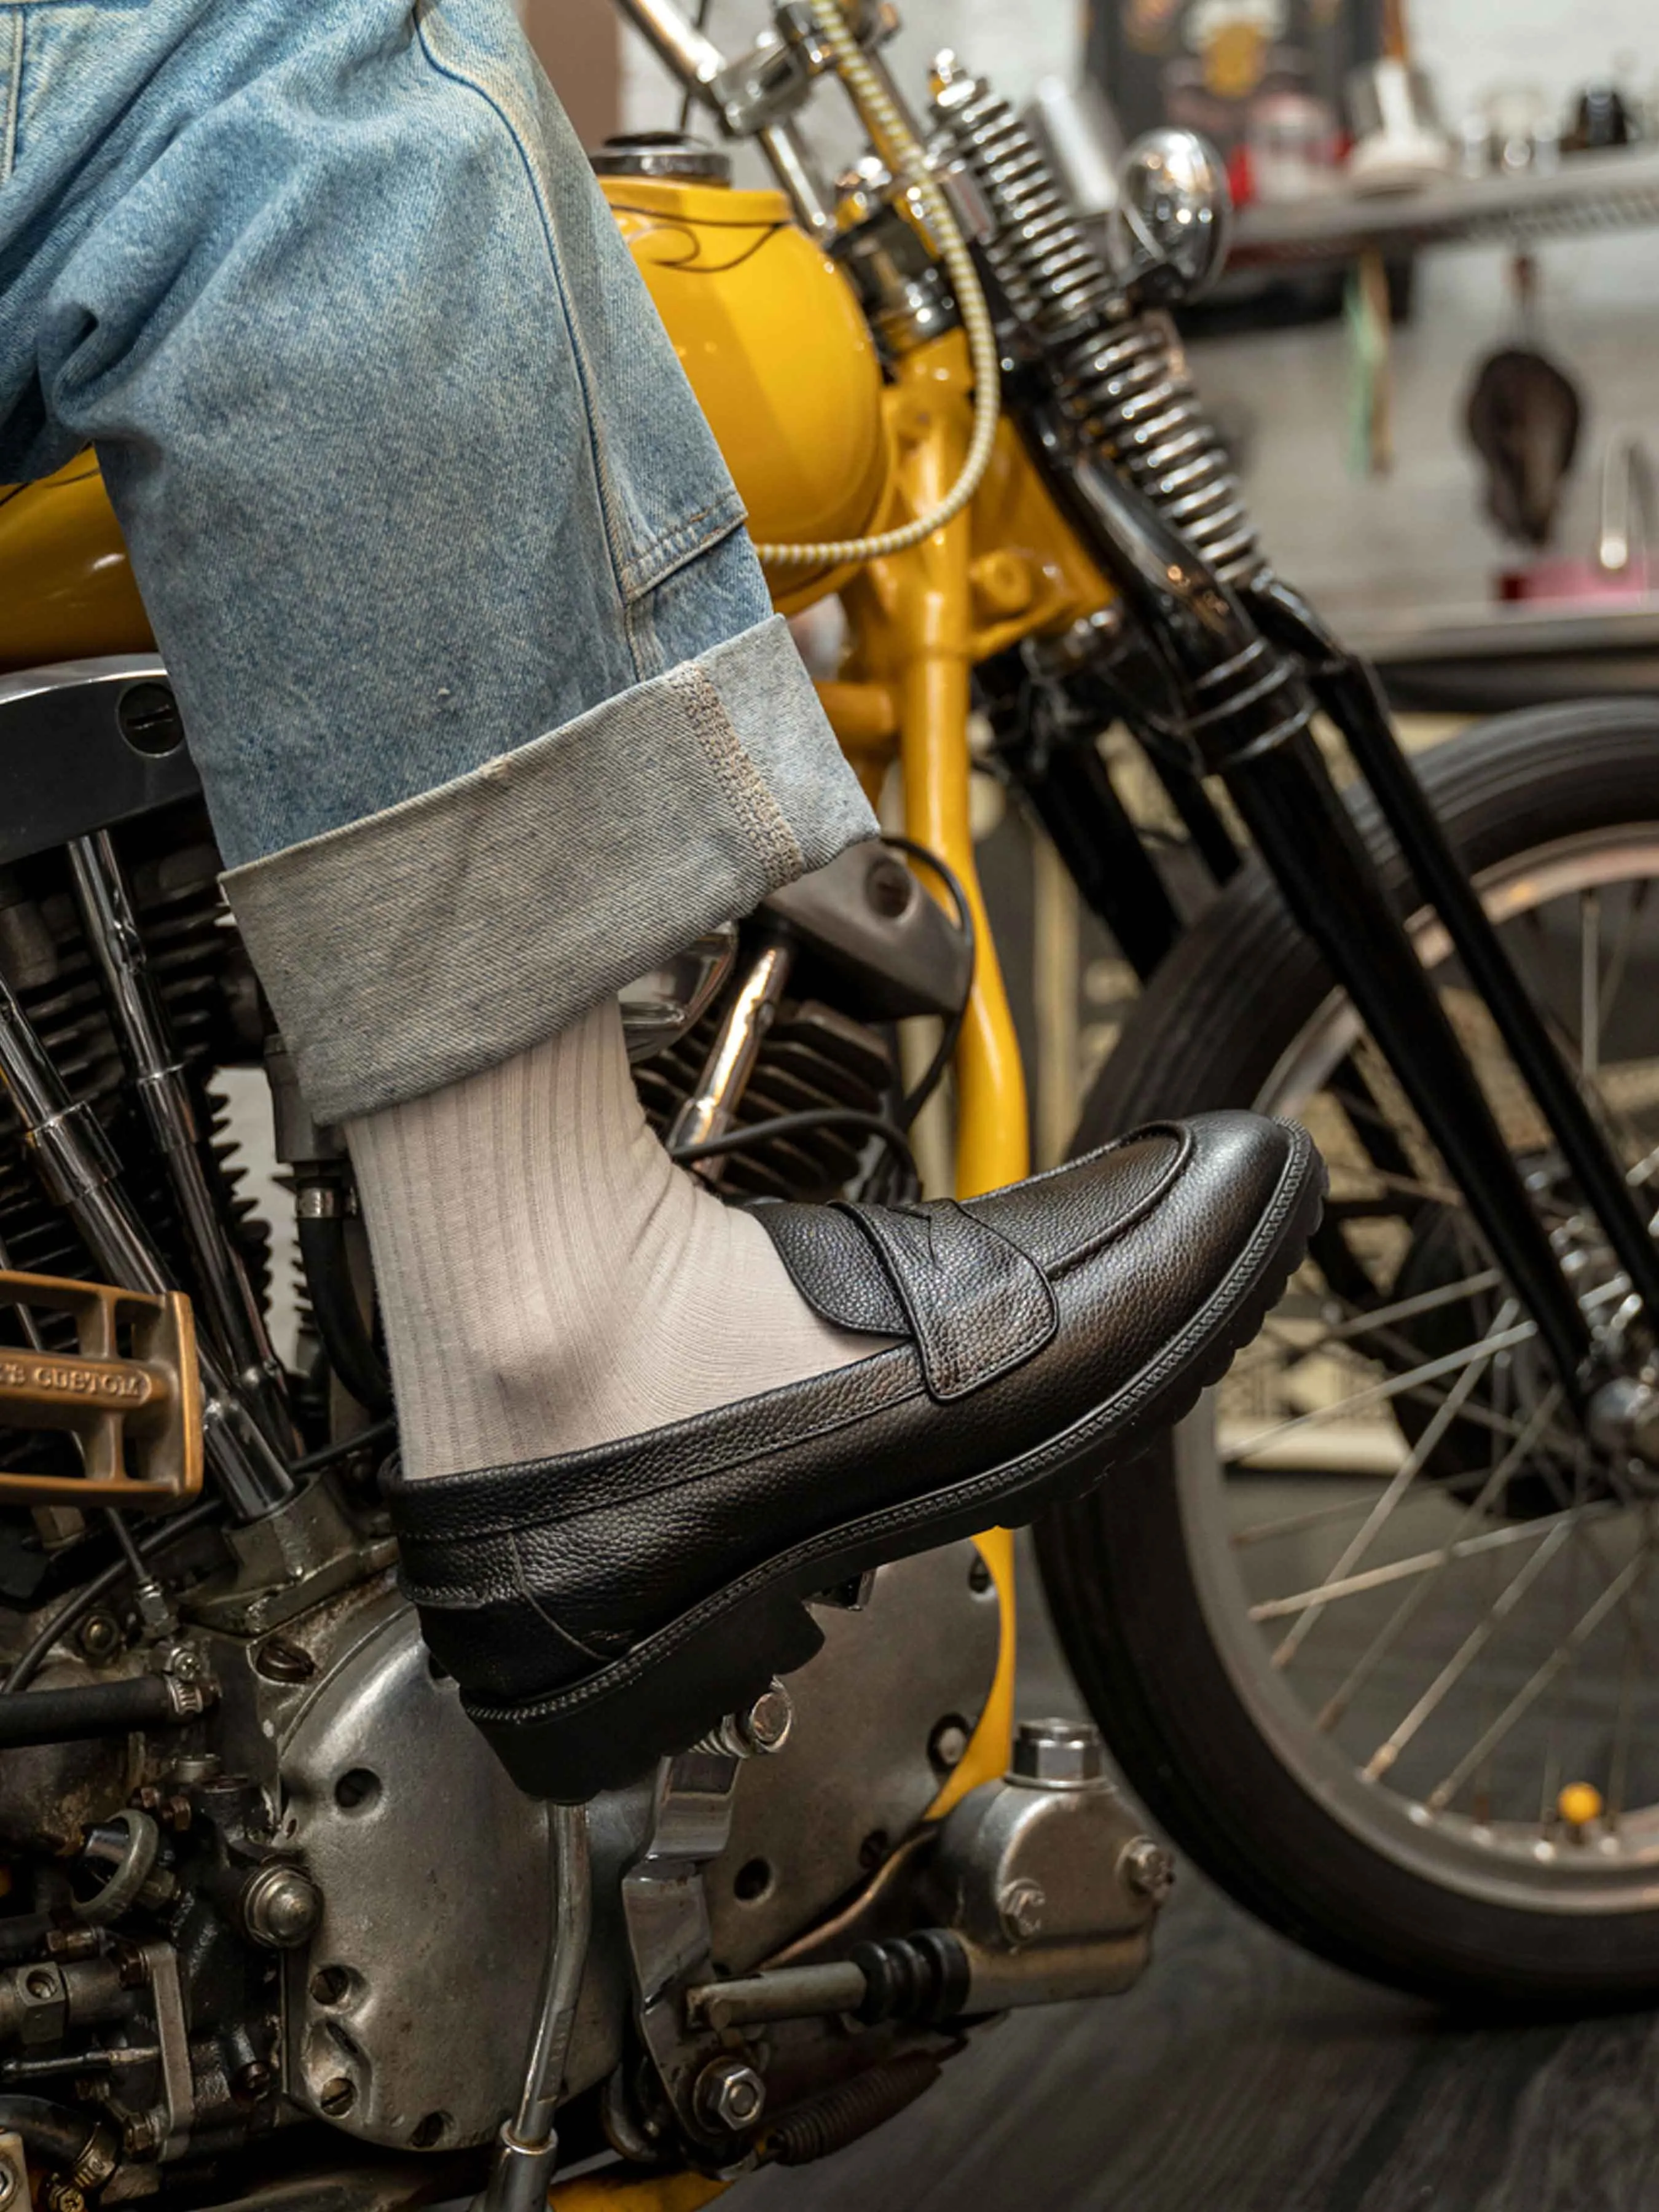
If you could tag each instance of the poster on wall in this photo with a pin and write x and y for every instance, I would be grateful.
(1261, 79)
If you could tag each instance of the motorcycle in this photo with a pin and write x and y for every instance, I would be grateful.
(281, 1926)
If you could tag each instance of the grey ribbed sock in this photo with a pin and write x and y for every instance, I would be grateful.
(549, 1278)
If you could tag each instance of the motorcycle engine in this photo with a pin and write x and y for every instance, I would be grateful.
(314, 1904)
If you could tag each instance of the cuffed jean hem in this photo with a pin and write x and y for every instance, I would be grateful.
(445, 934)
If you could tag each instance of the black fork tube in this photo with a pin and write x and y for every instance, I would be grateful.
(1347, 690)
(1251, 720)
(1071, 790)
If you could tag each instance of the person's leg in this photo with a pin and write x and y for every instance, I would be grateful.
(466, 630)
(492, 715)
(550, 1279)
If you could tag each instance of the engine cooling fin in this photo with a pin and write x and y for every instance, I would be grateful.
(811, 1057)
(211, 1000)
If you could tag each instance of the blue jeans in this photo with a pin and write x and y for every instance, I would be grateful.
(476, 661)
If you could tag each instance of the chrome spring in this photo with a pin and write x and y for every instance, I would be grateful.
(1121, 375)
(1053, 278)
(1128, 390)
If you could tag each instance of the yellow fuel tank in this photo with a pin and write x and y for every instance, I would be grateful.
(66, 587)
(769, 334)
(778, 352)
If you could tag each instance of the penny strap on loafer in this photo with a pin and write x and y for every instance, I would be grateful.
(604, 1608)
(974, 1304)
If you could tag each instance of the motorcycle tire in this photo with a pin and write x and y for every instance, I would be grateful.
(1121, 1569)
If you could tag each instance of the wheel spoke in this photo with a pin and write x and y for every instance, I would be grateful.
(1468, 1652)
(1420, 1563)
(1635, 907)
(1292, 1524)
(1404, 1613)
(1480, 1543)
(1415, 1460)
(1528, 1695)
(1339, 1335)
(1393, 1386)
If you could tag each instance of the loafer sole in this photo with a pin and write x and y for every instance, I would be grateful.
(676, 1685)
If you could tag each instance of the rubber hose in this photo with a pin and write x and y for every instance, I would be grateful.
(352, 1352)
(77, 2143)
(138, 1701)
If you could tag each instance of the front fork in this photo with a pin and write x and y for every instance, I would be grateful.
(1249, 689)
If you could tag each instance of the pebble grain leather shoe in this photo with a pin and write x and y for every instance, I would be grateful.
(605, 1607)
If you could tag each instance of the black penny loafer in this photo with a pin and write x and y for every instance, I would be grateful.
(604, 1608)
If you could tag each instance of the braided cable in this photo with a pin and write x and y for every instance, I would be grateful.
(911, 168)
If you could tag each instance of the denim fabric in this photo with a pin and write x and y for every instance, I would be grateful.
(473, 973)
(410, 476)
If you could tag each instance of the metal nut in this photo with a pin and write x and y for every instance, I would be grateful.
(1147, 1870)
(281, 1906)
(1058, 1754)
(14, 2173)
(730, 2094)
(1020, 1905)
(766, 1725)
(762, 1729)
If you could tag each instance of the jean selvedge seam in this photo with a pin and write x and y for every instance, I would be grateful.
(751, 798)
(520, 135)
(14, 100)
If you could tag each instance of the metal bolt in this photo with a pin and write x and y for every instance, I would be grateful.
(1058, 1754)
(1019, 1908)
(336, 2096)
(1147, 1870)
(730, 2094)
(767, 1723)
(762, 1729)
(890, 887)
(280, 1661)
(331, 1985)
(195, 1768)
(252, 2080)
(948, 1742)
(281, 1906)
(99, 1638)
(148, 716)
(140, 2135)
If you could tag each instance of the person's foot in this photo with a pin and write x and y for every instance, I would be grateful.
(609, 1606)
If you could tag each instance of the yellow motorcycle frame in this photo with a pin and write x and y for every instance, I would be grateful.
(822, 442)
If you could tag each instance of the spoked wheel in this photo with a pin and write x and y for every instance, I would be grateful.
(1376, 1633)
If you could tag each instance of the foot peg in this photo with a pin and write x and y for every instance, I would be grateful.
(129, 1391)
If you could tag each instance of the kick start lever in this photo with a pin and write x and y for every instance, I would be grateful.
(128, 1392)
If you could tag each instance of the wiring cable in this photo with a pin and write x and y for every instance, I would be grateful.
(929, 1081)
(799, 1125)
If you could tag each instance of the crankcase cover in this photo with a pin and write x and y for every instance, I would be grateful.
(408, 2013)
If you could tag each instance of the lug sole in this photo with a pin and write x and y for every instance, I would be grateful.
(676, 1685)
